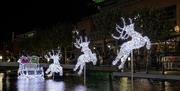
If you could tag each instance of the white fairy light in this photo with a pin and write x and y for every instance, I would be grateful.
(33, 85)
(109, 46)
(129, 59)
(1, 57)
(55, 85)
(87, 55)
(28, 69)
(54, 67)
(137, 41)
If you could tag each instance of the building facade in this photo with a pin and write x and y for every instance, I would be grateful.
(172, 8)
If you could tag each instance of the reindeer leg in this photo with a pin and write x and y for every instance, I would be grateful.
(81, 68)
(60, 70)
(50, 74)
(123, 60)
(57, 69)
(115, 61)
(18, 72)
(119, 56)
(48, 70)
(93, 59)
(77, 66)
(121, 66)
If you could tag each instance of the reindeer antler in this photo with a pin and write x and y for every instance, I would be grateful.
(86, 39)
(122, 30)
(58, 51)
(53, 53)
(130, 20)
(77, 43)
(47, 58)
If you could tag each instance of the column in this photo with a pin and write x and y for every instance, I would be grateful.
(178, 13)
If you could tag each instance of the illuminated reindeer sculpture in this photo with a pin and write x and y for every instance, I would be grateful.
(87, 55)
(137, 41)
(54, 67)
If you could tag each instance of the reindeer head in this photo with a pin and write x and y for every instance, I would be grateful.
(125, 31)
(53, 53)
(80, 43)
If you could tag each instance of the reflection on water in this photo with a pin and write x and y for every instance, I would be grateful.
(10, 83)
(49, 85)
(143, 85)
(80, 88)
(1, 81)
(124, 86)
(52, 85)
(30, 85)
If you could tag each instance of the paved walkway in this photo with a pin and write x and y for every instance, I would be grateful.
(65, 66)
(156, 75)
(152, 74)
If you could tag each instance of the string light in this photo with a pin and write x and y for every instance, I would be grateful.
(137, 41)
(54, 67)
(29, 69)
(87, 55)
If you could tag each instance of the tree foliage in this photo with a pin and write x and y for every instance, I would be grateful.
(150, 22)
(105, 21)
(57, 36)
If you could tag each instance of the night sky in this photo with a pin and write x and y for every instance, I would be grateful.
(20, 17)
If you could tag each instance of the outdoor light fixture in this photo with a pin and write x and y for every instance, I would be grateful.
(1, 57)
(94, 48)
(109, 46)
(176, 28)
(129, 59)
